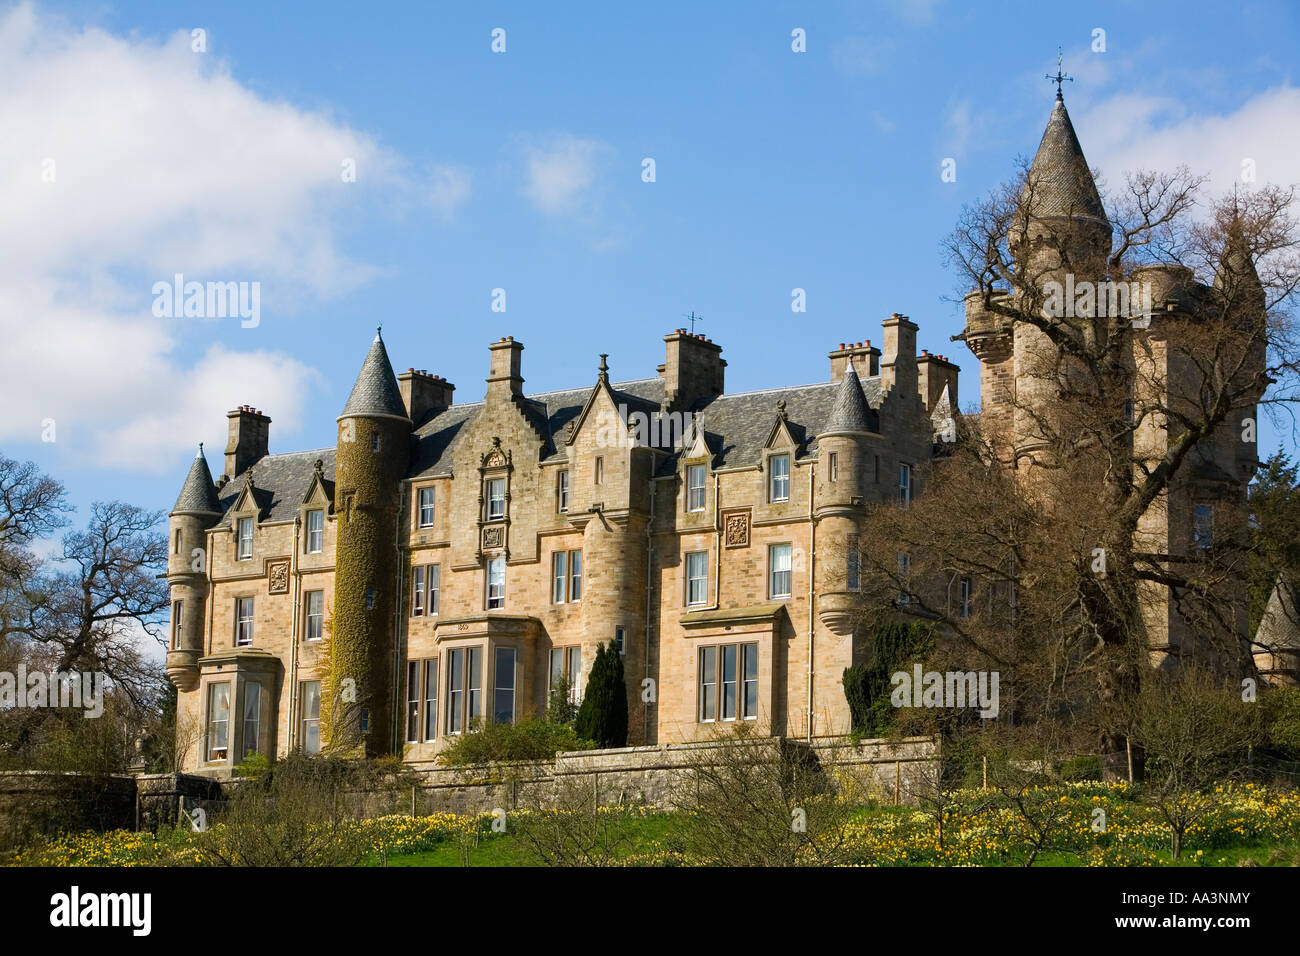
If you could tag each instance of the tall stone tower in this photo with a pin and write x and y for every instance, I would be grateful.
(197, 509)
(1061, 234)
(841, 495)
(374, 435)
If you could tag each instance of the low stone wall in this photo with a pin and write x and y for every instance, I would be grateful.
(34, 802)
(882, 769)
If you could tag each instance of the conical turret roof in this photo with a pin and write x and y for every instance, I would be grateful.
(850, 413)
(375, 393)
(198, 494)
(1062, 183)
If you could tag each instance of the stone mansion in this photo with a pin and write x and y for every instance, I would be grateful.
(452, 561)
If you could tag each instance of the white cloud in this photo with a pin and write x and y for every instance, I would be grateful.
(560, 174)
(1125, 133)
(162, 163)
(958, 125)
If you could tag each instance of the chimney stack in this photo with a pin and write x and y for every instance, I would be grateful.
(898, 363)
(864, 359)
(424, 395)
(692, 371)
(934, 372)
(504, 379)
(250, 435)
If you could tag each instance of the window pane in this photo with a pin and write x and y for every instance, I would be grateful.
(496, 582)
(496, 497)
(435, 584)
(245, 538)
(564, 490)
(315, 614)
(729, 682)
(695, 488)
(779, 559)
(750, 698)
(315, 531)
(417, 591)
(559, 575)
(697, 570)
(252, 718)
(780, 488)
(455, 690)
(426, 507)
(412, 701)
(503, 709)
(311, 716)
(575, 673)
(474, 683)
(708, 683)
(244, 621)
(575, 575)
(218, 721)
(431, 699)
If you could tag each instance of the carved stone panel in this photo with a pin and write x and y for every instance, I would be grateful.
(277, 573)
(736, 529)
(493, 536)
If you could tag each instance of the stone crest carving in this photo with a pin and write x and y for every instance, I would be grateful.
(736, 530)
(277, 573)
(493, 536)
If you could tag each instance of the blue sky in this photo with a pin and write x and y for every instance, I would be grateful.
(521, 170)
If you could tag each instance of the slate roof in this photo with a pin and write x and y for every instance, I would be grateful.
(737, 428)
(850, 413)
(280, 483)
(550, 412)
(376, 391)
(198, 494)
(1063, 184)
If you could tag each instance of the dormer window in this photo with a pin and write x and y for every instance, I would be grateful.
(779, 480)
(315, 531)
(496, 498)
(695, 493)
(245, 551)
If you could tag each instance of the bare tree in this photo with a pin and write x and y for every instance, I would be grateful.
(1053, 508)
(1196, 732)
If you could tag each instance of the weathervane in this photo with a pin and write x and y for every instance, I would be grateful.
(1060, 77)
(694, 318)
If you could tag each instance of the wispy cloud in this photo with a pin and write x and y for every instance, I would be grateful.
(561, 174)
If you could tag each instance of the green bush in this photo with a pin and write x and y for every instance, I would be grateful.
(867, 686)
(527, 740)
(603, 714)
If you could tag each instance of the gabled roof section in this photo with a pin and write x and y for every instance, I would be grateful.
(375, 394)
(281, 484)
(944, 418)
(850, 415)
(1062, 182)
(198, 495)
(551, 413)
(319, 481)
